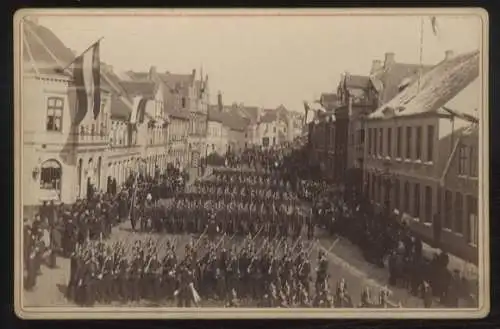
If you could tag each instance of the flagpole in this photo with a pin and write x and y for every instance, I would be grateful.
(83, 52)
(421, 51)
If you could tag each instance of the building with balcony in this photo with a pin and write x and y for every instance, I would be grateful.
(60, 160)
(421, 154)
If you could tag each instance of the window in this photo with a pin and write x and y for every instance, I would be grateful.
(183, 102)
(375, 141)
(274, 129)
(459, 225)
(372, 187)
(379, 189)
(462, 159)
(416, 205)
(408, 142)
(381, 141)
(370, 140)
(428, 204)
(418, 140)
(473, 159)
(447, 209)
(274, 140)
(406, 197)
(430, 143)
(55, 107)
(399, 143)
(50, 175)
(389, 141)
(397, 196)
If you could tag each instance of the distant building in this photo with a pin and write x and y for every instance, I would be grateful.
(189, 94)
(217, 132)
(421, 153)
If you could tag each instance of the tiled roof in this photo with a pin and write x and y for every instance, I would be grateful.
(140, 88)
(250, 112)
(269, 116)
(174, 81)
(389, 79)
(357, 81)
(234, 121)
(39, 43)
(329, 97)
(438, 86)
(119, 110)
(215, 115)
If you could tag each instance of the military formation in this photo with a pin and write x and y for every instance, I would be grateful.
(253, 271)
(248, 250)
(232, 202)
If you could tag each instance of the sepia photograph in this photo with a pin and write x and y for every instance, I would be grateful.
(251, 163)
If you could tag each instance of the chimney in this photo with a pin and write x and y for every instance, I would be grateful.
(152, 72)
(259, 113)
(219, 101)
(389, 59)
(376, 66)
(194, 73)
(448, 54)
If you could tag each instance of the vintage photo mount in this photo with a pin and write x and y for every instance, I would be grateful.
(258, 313)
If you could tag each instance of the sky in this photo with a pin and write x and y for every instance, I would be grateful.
(265, 61)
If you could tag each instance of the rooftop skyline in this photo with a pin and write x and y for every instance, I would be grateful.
(265, 61)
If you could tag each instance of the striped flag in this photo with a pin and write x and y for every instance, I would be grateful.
(87, 77)
(138, 110)
(434, 25)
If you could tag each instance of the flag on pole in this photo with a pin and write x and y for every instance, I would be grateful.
(87, 76)
(434, 25)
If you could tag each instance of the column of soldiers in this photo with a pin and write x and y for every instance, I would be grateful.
(256, 272)
(262, 270)
(233, 202)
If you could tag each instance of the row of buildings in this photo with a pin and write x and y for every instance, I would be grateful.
(147, 121)
(407, 136)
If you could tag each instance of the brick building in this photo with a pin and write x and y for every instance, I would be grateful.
(415, 145)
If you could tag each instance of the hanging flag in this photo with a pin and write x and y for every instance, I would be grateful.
(434, 25)
(138, 110)
(87, 76)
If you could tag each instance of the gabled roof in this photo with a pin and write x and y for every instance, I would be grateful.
(214, 114)
(250, 112)
(145, 88)
(176, 81)
(387, 80)
(438, 86)
(42, 48)
(329, 97)
(234, 121)
(357, 81)
(269, 116)
(119, 110)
